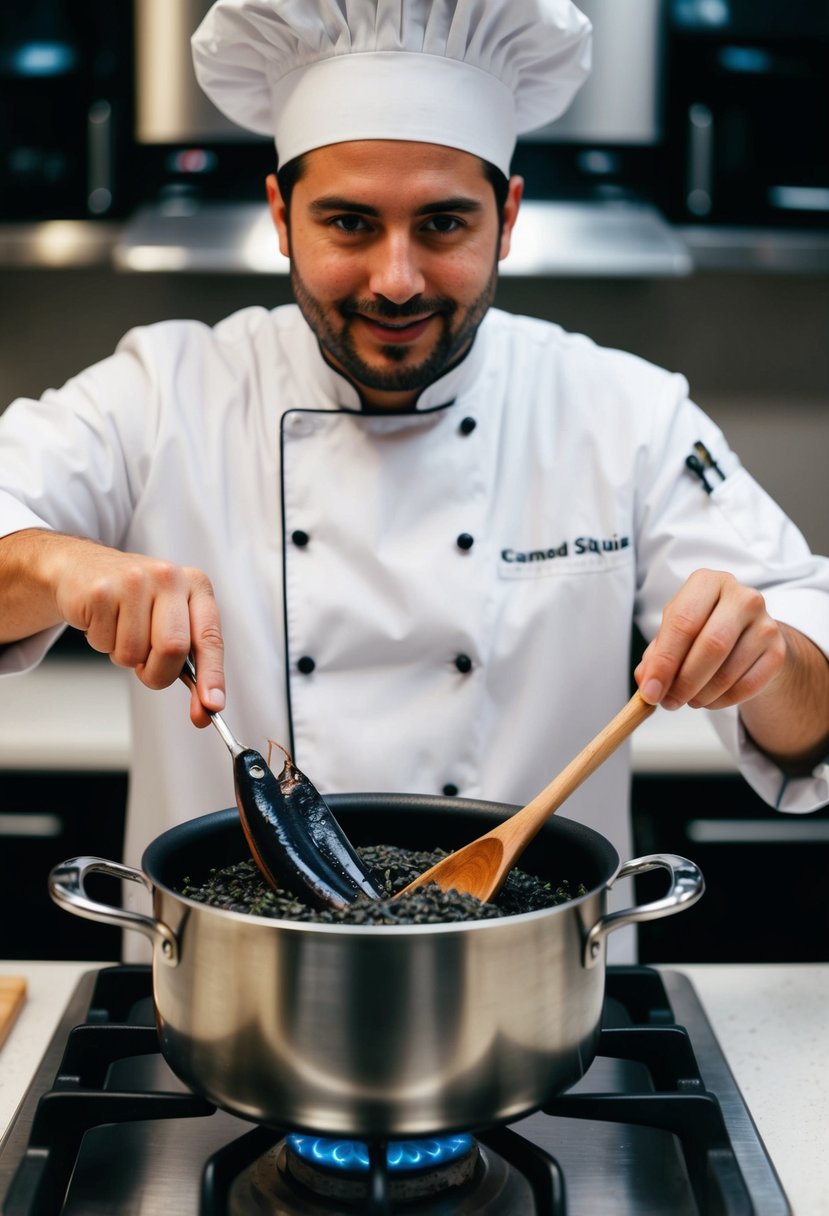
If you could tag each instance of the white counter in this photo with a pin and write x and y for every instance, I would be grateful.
(74, 714)
(66, 714)
(49, 987)
(772, 1023)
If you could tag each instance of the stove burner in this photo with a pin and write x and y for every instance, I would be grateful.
(401, 1155)
(339, 1168)
(501, 1175)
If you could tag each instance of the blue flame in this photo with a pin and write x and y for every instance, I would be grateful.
(402, 1156)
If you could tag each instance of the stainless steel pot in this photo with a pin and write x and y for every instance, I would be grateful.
(379, 1031)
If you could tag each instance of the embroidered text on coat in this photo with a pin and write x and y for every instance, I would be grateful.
(581, 544)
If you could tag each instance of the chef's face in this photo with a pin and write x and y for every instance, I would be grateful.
(394, 249)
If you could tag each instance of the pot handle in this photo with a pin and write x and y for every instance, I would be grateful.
(66, 887)
(687, 885)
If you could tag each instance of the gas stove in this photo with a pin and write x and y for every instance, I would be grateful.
(657, 1125)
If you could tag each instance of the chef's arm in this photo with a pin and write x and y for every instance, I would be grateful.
(717, 646)
(794, 709)
(144, 612)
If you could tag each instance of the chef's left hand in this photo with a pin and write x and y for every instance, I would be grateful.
(717, 646)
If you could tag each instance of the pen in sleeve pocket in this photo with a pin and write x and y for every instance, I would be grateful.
(707, 459)
(701, 462)
(696, 466)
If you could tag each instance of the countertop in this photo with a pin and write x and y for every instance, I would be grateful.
(771, 1022)
(73, 714)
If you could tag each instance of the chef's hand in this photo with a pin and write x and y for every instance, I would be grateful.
(145, 613)
(717, 646)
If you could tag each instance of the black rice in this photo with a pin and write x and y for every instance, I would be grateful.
(241, 888)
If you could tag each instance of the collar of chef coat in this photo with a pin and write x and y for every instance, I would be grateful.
(437, 395)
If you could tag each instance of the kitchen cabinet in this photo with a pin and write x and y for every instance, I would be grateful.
(46, 817)
(766, 898)
(64, 748)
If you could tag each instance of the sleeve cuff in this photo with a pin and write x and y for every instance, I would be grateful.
(15, 516)
(28, 653)
(795, 795)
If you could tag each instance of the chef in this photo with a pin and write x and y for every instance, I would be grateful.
(403, 533)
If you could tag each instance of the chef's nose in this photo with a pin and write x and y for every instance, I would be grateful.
(395, 272)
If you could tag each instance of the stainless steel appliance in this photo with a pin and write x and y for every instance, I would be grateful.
(608, 133)
(607, 145)
(657, 1125)
(747, 104)
(186, 148)
(590, 177)
(66, 117)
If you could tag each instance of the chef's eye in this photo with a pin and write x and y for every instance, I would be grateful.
(349, 223)
(443, 223)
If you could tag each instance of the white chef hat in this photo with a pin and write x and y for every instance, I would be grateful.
(470, 74)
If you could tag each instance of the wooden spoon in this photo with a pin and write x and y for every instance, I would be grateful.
(480, 868)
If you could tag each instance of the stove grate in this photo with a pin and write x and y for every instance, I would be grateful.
(78, 1101)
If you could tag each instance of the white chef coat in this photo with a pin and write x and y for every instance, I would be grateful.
(434, 601)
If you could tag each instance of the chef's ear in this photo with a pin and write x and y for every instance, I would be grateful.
(515, 191)
(279, 213)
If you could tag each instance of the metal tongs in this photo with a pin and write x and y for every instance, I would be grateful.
(294, 838)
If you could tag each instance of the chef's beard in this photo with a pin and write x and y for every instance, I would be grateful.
(451, 344)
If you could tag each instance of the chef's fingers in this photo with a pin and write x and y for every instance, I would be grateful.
(682, 620)
(145, 613)
(739, 649)
(184, 618)
(756, 658)
(101, 630)
(754, 680)
(208, 650)
(701, 627)
(166, 618)
(118, 594)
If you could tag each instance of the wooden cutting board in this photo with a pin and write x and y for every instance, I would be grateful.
(12, 996)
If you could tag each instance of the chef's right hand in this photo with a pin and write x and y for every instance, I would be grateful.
(144, 612)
